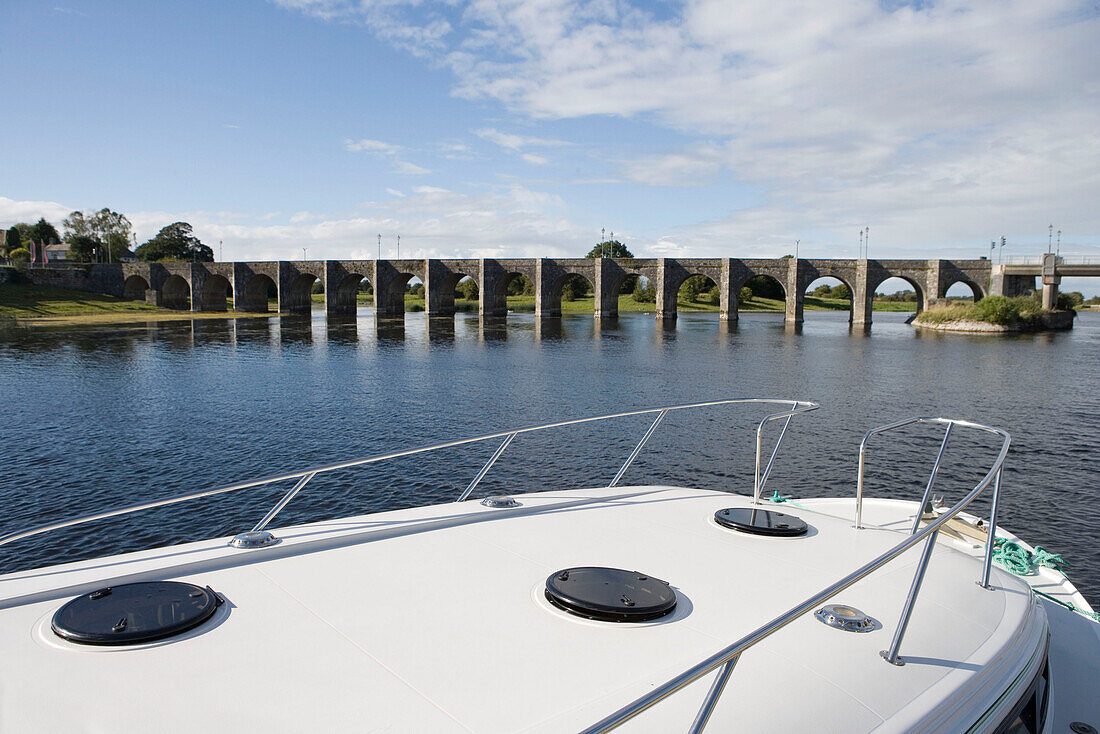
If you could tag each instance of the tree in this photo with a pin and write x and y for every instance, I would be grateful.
(694, 286)
(44, 233)
(113, 230)
(610, 248)
(644, 292)
(76, 225)
(574, 287)
(468, 288)
(82, 248)
(24, 231)
(521, 286)
(104, 232)
(13, 241)
(764, 287)
(175, 242)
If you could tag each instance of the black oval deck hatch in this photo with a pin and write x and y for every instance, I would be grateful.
(760, 522)
(129, 614)
(610, 594)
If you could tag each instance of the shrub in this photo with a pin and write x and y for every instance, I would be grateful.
(745, 295)
(1069, 301)
(20, 255)
(999, 310)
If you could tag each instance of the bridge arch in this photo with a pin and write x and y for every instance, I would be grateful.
(215, 291)
(498, 286)
(255, 294)
(571, 285)
(298, 295)
(821, 284)
(759, 285)
(697, 288)
(444, 290)
(975, 289)
(343, 297)
(134, 288)
(916, 286)
(176, 293)
(389, 299)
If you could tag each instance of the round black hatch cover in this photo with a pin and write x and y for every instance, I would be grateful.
(132, 613)
(760, 522)
(610, 594)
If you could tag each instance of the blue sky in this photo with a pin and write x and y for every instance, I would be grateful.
(523, 127)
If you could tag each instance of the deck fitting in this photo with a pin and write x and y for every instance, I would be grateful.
(253, 539)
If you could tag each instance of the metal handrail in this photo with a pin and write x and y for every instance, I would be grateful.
(794, 407)
(727, 657)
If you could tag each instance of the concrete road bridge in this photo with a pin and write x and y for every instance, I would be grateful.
(209, 286)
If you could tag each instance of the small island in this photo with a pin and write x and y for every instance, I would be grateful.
(998, 315)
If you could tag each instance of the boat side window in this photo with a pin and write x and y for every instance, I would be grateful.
(1029, 715)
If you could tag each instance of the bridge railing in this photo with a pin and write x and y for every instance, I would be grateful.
(259, 536)
(1029, 260)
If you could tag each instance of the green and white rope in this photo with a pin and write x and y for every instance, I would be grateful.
(1019, 560)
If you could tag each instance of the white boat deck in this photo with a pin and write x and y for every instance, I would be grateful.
(432, 619)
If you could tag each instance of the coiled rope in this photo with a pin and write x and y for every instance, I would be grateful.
(1019, 560)
(1013, 557)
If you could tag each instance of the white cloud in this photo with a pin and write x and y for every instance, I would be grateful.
(12, 211)
(403, 167)
(698, 166)
(395, 192)
(409, 169)
(938, 123)
(510, 141)
(371, 146)
(456, 151)
(534, 159)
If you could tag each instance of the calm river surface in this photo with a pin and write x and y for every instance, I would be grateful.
(102, 417)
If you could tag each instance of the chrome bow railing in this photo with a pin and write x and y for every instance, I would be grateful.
(260, 536)
(725, 659)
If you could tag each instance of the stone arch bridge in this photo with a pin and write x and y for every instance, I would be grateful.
(250, 285)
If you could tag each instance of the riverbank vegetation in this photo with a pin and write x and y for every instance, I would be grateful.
(1021, 312)
(62, 307)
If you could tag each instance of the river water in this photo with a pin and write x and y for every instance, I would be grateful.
(98, 417)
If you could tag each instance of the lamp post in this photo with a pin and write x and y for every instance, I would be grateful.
(303, 254)
(1050, 236)
(796, 249)
(866, 240)
(860, 256)
(398, 247)
(1058, 247)
(379, 248)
